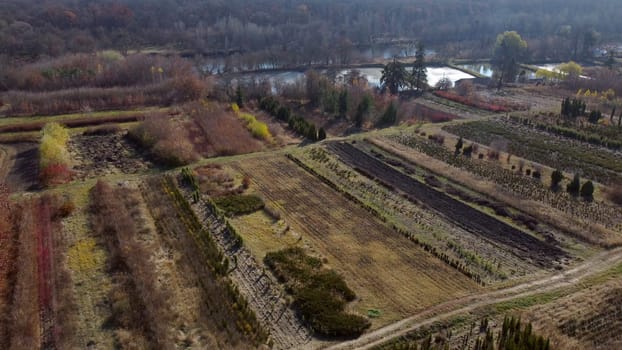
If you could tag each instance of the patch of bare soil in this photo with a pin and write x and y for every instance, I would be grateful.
(20, 168)
(98, 155)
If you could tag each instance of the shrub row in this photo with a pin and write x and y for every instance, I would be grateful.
(296, 123)
(213, 256)
(433, 115)
(54, 159)
(105, 69)
(138, 304)
(257, 129)
(320, 295)
(231, 310)
(239, 204)
(166, 141)
(216, 260)
(175, 90)
(189, 179)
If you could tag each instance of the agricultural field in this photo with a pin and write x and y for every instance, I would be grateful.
(149, 203)
(523, 244)
(597, 222)
(568, 155)
(474, 255)
(375, 260)
(587, 319)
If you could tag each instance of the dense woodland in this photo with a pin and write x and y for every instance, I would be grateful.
(303, 31)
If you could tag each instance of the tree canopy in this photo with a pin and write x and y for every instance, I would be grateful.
(510, 49)
(394, 76)
(419, 76)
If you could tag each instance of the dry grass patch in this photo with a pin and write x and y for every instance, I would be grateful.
(86, 262)
(589, 319)
(263, 233)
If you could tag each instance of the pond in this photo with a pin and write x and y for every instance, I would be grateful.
(487, 70)
(371, 74)
(389, 52)
(435, 74)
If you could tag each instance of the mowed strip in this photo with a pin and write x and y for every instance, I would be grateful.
(387, 271)
(73, 123)
(520, 243)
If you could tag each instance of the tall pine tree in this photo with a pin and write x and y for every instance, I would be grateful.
(419, 76)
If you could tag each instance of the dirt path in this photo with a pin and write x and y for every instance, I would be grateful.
(599, 263)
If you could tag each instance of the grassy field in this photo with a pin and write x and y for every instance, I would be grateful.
(262, 233)
(388, 272)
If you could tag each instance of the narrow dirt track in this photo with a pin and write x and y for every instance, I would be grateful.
(597, 264)
(497, 232)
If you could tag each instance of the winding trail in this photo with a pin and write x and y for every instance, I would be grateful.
(597, 264)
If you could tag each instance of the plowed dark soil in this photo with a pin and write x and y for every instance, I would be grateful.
(24, 172)
(520, 243)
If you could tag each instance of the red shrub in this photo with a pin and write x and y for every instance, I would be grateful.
(55, 174)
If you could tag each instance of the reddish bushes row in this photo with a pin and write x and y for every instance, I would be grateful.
(179, 89)
(7, 263)
(103, 70)
(55, 174)
(38, 310)
(471, 102)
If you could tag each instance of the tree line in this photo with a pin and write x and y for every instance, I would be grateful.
(312, 30)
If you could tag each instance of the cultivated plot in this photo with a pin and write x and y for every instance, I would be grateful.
(387, 271)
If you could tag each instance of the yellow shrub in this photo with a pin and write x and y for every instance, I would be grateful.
(57, 132)
(52, 152)
(248, 118)
(235, 108)
(85, 257)
(260, 130)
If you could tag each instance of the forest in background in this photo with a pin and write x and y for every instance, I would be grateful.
(303, 31)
